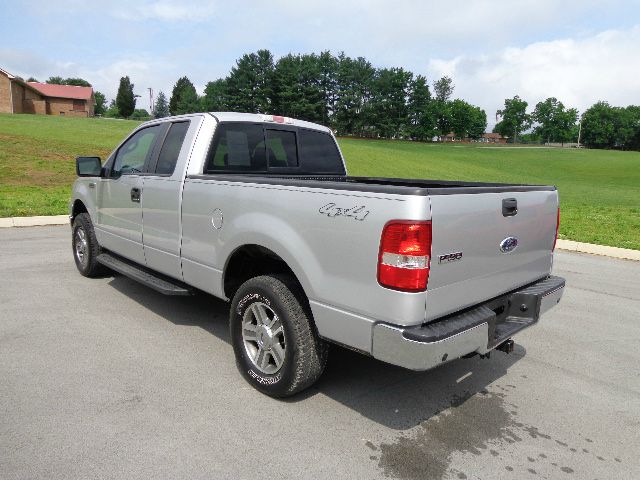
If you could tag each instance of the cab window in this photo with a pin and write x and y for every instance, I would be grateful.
(238, 147)
(134, 153)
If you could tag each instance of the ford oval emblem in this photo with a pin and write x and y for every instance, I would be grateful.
(509, 244)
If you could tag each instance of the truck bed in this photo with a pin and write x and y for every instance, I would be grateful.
(396, 186)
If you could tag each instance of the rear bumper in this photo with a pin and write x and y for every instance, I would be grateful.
(479, 329)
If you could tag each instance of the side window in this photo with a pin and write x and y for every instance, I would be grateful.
(237, 147)
(133, 154)
(281, 148)
(171, 148)
(319, 153)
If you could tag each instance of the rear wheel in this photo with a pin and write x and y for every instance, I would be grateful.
(85, 246)
(274, 340)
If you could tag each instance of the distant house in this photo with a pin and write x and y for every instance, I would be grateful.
(493, 138)
(18, 96)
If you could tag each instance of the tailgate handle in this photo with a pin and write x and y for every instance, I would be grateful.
(509, 207)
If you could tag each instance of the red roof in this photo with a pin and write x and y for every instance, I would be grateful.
(62, 91)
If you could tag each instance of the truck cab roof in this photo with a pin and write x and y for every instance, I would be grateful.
(264, 118)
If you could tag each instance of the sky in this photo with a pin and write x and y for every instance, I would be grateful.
(578, 51)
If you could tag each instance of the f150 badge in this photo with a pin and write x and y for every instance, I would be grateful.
(450, 257)
(332, 210)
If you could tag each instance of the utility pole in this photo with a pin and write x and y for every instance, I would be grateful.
(579, 132)
(150, 100)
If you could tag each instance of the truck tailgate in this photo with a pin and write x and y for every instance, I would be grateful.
(468, 265)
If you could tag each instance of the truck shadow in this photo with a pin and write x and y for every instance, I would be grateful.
(391, 396)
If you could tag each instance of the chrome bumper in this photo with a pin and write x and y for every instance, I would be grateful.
(479, 329)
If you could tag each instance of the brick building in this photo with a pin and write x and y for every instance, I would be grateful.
(493, 138)
(18, 96)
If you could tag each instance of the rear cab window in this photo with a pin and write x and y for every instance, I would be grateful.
(319, 153)
(237, 147)
(242, 147)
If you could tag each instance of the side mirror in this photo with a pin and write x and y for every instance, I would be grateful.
(88, 166)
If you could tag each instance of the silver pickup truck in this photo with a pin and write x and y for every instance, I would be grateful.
(258, 210)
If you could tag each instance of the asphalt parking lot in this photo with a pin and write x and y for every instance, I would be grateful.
(105, 378)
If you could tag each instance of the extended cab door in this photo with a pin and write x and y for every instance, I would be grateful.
(119, 210)
(162, 197)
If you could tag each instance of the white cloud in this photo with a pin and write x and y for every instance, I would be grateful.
(136, 10)
(166, 10)
(492, 49)
(579, 72)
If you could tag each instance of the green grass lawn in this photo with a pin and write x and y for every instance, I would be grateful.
(599, 190)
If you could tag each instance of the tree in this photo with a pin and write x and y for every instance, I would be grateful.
(387, 113)
(599, 126)
(125, 99)
(189, 102)
(467, 121)
(297, 89)
(250, 83)
(182, 85)
(32, 79)
(161, 106)
(604, 126)
(443, 88)
(477, 122)
(354, 82)
(112, 111)
(422, 123)
(215, 96)
(328, 67)
(140, 114)
(55, 80)
(514, 118)
(629, 132)
(101, 103)
(78, 82)
(555, 123)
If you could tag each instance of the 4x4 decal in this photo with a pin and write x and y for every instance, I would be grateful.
(357, 212)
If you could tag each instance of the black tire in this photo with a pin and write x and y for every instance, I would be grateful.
(85, 261)
(305, 354)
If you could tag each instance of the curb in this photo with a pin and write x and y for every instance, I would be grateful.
(614, 252)
(568, 245)
(34, 221)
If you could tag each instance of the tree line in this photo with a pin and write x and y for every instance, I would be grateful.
(355, 98)
(347, 94)
(600, 126)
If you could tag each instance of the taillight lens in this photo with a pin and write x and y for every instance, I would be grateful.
(405, 251)
(557, 228)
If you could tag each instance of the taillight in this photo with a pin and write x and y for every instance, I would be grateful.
(405, 251)
(557, 228)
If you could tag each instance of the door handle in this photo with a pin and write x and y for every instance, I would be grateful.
(509, 207)
(135, 195)
(92, 185)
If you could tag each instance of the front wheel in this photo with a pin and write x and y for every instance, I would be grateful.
(273, 338)
(85, 246)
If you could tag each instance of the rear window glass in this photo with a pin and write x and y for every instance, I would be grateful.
(238, 147)
(171, 148)
(319, 153)
(281, 148)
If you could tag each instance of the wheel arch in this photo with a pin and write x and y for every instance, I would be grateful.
(78, 207)
(252, 260)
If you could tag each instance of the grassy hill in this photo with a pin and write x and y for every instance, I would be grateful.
(599, 190)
